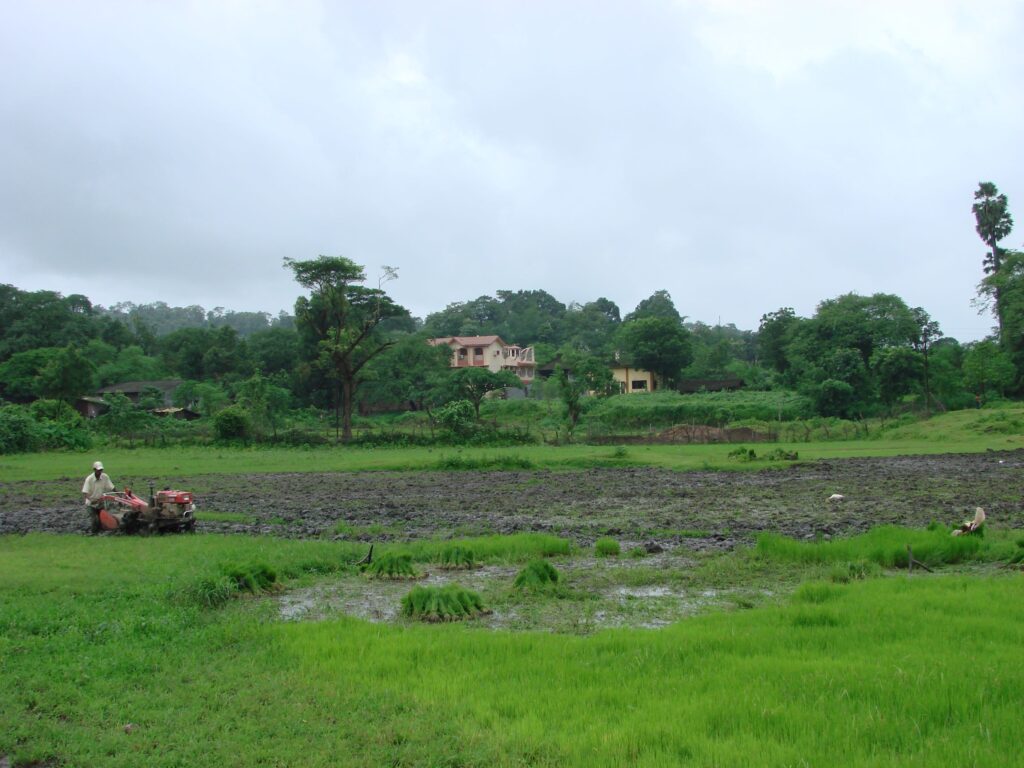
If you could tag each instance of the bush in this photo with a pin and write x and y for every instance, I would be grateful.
(607, 547)
(55, 410)
(537, 575)
(448, 603)
(233, 423)
(743, 454)
(457, 417)
(462, 463)
(666, 409)
(18, 430)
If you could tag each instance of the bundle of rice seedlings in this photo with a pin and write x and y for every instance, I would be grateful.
(455, 557)
(448, 603)
(607, 547)
(391, 566)
(255, 578)
(540, 574)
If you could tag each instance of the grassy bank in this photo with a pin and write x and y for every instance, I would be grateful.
(126, 465)
(108, 659)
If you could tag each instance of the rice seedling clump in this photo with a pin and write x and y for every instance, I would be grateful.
(537, 575)
(447, 603)
(455, 557)
(391, 566)
(607, 547)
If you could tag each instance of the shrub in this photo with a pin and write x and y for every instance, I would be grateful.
(474, 463)
(448, 603)
(391, 566)
(537, 575)
(743, 454)
(55, 410)
(233, 423)
(666, 409)
(455, 557)
(18, 430)
(607, 547)
(458, 417)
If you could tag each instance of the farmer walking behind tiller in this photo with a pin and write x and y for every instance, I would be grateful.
(96, 484)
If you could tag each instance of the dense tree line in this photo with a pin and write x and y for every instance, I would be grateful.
(349, 344)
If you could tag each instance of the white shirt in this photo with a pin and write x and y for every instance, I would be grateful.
(96, 488)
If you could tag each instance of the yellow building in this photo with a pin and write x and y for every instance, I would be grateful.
(632, 380)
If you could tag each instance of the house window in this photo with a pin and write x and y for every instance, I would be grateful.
(478, 352)
(638, 384)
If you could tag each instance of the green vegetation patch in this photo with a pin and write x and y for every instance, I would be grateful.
(448, 603)
(667, 409)
(518, 547)
(887, 546)
(460, 462)
(537, 575)
(81, 657)
(456, 557)
(391, 565)
(607, 547)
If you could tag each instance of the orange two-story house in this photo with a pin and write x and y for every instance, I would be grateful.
(490, 352)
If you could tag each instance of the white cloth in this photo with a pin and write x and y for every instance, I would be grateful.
(95, 488)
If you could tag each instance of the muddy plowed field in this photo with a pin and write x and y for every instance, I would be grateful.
(636, 505)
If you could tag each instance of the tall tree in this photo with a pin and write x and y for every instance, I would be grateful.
(773, 335)
(992, 223)
(928, 334)
(589, 376)
(658, 304)
(409, 373)
(658, 344)
(341, 318)
(67, 375)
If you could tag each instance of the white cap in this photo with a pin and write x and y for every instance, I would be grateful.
(97, 465)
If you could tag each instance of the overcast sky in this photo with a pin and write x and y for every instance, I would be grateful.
(742, 155)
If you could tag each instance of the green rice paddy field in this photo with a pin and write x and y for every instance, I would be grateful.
(118, 651)
(244, 650)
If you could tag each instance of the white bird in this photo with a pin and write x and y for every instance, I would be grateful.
(836, 497)
(970, 526)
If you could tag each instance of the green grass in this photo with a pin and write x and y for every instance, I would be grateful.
(887, 546)
(910, 671)
(968, 431)
(128, 466)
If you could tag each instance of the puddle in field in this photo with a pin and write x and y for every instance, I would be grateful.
(591, 607)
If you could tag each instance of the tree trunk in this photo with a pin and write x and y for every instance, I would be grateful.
(346, 410)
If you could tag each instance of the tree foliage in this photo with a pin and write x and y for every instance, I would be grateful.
(657, 344)
(339, 321)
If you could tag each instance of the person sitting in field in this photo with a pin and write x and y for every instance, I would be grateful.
(970, 526)
(95, 485)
